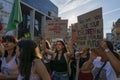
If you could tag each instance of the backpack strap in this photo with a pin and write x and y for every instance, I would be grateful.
(98, 74)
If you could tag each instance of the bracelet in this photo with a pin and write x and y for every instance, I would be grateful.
(106, 50)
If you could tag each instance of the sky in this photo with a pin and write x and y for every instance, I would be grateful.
(70, 9)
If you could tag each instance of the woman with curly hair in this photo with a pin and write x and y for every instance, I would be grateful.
(29, 61)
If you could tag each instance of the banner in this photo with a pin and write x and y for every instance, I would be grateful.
(74, 28)
(90, 28)
(15, 16)
(56, 29)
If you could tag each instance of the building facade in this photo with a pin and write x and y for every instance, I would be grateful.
(116, 35)
(116, 31)
(109, 36)
(34, 12)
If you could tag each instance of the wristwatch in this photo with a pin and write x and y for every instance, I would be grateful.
(106, 50)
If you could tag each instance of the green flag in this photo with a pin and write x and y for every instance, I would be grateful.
(15, 16)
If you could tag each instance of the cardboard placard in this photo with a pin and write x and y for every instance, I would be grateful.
(90, 29)
(56, 29)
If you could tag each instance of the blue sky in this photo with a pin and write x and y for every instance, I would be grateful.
(70, 9)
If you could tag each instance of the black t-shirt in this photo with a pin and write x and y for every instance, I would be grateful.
(59, 65)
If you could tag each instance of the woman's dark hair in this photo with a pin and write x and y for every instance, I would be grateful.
(9, 38)
(27, 55)
(64, 50)
(111, 47)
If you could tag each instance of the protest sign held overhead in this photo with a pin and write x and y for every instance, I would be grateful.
(90, 28)
(74, 31)
(56, 29)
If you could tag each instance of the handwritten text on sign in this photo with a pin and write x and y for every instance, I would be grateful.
(90, 28)
(56, 28)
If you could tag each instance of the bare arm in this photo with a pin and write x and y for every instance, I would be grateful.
(87, 66)
(113, 60)
(70, 48)
(44, 47)
(13, 77)
(41, 70)
(1, 49)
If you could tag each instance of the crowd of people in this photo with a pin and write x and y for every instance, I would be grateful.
(25, 60)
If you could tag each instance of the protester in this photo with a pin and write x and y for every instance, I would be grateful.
(47, 57)
(9, 68)
(60, 61)
(112, 56)
(86, 65)
(29, 62)
(103, 70)
(73, 64)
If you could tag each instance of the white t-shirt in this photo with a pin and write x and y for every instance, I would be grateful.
(107, 71)
(10, 67)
